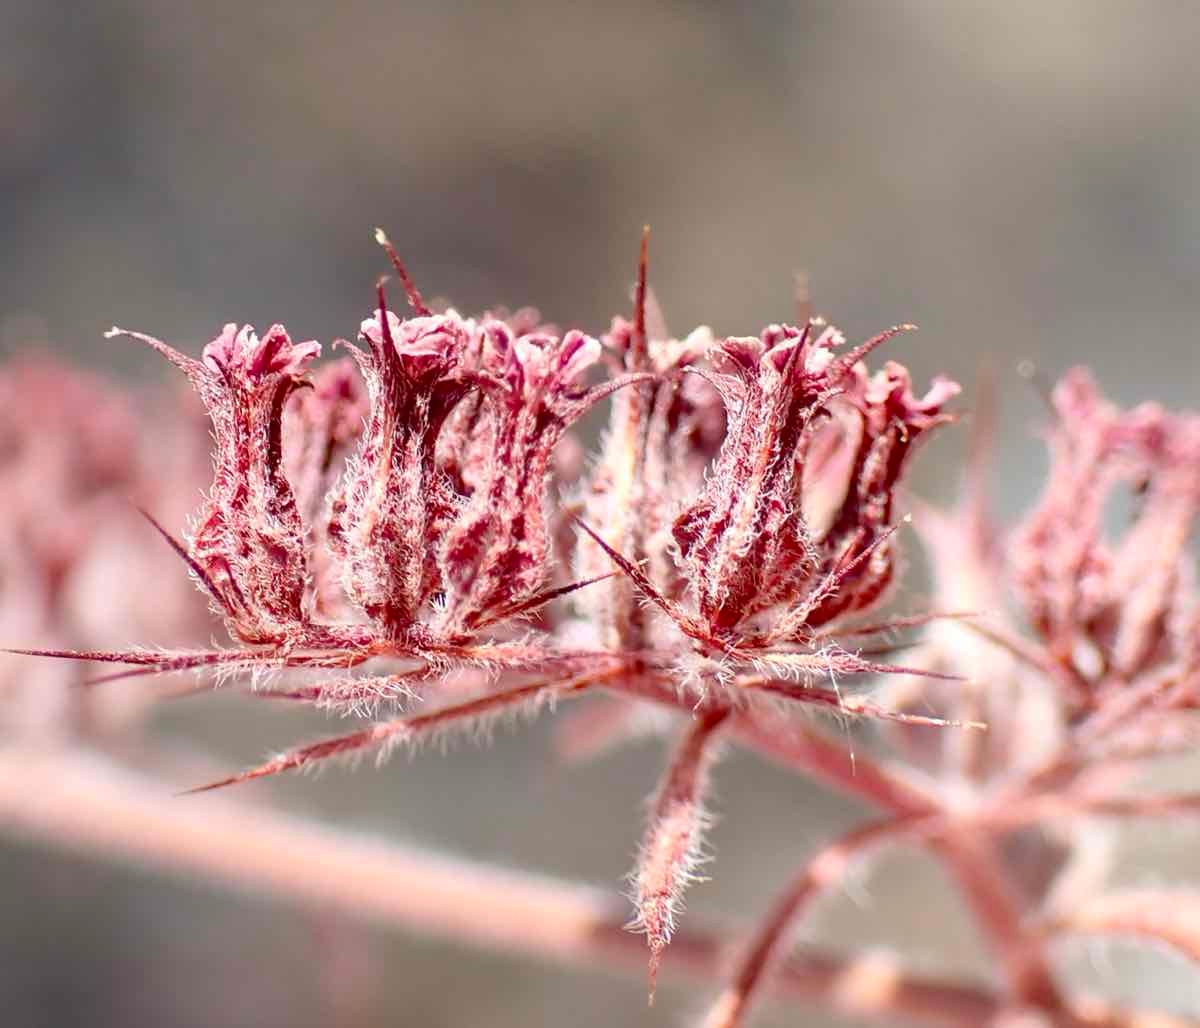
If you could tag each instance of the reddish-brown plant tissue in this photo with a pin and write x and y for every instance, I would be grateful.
(414, 524)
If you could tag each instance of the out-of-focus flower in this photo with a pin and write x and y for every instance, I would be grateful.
(74, 471)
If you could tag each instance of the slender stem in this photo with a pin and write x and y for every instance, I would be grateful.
(973, 863)
(985, 886)
(87, 803)
(768, 943)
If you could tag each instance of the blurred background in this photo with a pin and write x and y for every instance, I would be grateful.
(1022, 180)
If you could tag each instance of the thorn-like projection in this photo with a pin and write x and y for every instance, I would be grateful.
(410, 288)
(639, 356)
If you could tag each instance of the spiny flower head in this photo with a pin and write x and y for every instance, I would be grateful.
(893, 419)
(496, 555)
(238, 355)
(661, 437)
(745, 541)
(248, 541)
(394, 502)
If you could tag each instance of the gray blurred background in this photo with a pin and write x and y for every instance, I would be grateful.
(1020, 179)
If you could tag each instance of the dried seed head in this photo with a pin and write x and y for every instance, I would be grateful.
(496, 554)
(893, 419)
(745, 542)
(745, 530)
(247, 543)
(394, 502)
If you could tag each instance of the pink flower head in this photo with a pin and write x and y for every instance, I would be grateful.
(744, 540)
(239, 352)
(1109, 608)
(496, 555)
(424, 346)
(247, 544)
(394, 502)
(893, 419)
(537, 369)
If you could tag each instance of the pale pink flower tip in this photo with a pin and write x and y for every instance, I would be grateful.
(240, 351)
(421, 343)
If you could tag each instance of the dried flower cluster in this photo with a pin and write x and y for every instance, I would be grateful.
(402, 532)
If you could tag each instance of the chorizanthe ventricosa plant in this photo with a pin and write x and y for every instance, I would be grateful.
(413, 533)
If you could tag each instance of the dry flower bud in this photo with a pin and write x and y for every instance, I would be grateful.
(394, 501)
(247, 543)
(495, 556)
(745, 542)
